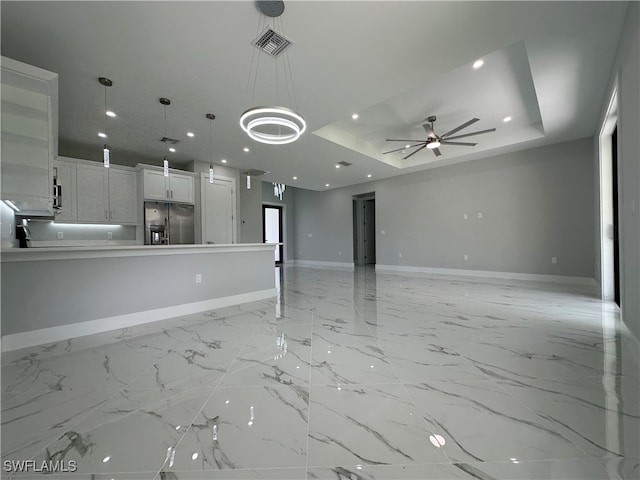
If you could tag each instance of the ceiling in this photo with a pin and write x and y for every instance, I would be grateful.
(547, 65)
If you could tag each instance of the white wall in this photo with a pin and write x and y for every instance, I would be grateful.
(625, 77)
(48, 231)
(535, 204)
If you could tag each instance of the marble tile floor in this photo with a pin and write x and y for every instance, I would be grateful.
(351, 375)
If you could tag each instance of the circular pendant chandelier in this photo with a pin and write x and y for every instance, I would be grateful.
(272, 125)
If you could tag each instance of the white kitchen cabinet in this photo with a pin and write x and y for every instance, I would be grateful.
(174, 188)
(29, 136)
(93, 193)
(123, 196)
(106, 195)
(65, 174)
(180, 188)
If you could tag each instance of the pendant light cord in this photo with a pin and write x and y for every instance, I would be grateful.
(211, 141)
(165, 131)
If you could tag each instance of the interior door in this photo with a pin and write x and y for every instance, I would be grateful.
(370, 231)
(272, 229)
(217, 212)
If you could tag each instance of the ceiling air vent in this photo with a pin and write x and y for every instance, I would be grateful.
(271, 42)
(345, 164)
(254, 172)
(172, 141)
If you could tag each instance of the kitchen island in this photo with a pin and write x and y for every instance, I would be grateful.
(52, 294)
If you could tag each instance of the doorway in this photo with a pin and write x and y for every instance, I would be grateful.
(364, 229)
(272, 229)
(616, 226)
(610, 275)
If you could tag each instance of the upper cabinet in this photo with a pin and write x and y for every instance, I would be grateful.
(65, 174)
(177, 187)
(29, 136)
(94, 194)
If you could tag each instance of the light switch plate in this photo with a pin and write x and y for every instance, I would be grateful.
(198, 278)
(60, 235)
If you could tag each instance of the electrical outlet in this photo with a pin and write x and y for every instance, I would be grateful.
(198, 278)
(339, 254)
(479, 214)
(109, 235)
(60, 235)
(466, 257)
(309, 235)
(399, 255)
(554, 259)
(465, 216)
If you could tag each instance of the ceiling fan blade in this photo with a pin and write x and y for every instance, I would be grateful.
(466, 144)
(460, 127)
(402, 140)
(417, 150)
(428, 127)
(404, 148)
(472, 133)
(436, 152)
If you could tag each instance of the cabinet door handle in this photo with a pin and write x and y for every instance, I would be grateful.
(167, 193)
(171, 193)
(106, 214)
(111, 214)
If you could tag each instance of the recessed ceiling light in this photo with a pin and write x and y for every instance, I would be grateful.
(110, 113)
(224, 160)
(190, 134)
(295, 178)
(326, 184)
(337, 166)
(102, 135)
(368, 175)
(106, 459)
(171, 149)
(478, 63)
(506, 119)
(407, 146)
(246, 149)
(355, 116)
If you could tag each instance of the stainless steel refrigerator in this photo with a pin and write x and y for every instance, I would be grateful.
(168, 223)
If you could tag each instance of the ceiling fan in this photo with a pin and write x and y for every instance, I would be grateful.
(434, 141)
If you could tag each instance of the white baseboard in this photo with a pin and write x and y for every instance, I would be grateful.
(318, 264)
(489, 274)
(41, 336)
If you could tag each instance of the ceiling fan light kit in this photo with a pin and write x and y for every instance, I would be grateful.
(434, 141)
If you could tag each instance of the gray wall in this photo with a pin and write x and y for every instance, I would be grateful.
(288, 215)
(629, 168)
(250, 211)
(535, 204)
(50, 293)
(625, 76)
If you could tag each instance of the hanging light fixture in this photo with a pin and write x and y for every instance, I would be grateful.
(278, 189)
(165, 164)
(274, 125)
(106, 154)
(211, 117)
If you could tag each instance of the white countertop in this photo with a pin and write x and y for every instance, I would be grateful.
(76, 252)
